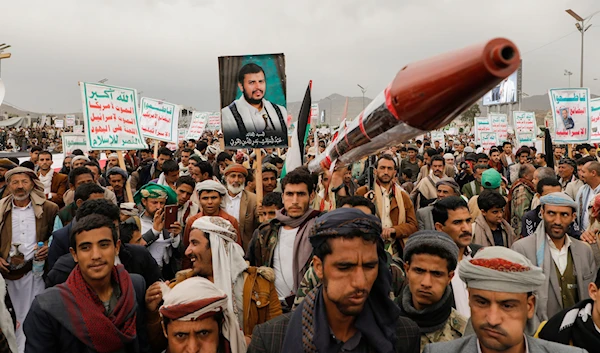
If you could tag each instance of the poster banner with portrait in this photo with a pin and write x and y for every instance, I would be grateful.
(571, 113)
(481, 125)
(488, 140)
(440, 137)
(197, 125)
(506, 92)
(110, 117)
(595, 120)
(72, 142)
(159, 119)
(253, 101)
(499, 125)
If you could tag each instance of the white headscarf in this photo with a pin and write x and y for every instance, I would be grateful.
(197, 297)
(227, 258)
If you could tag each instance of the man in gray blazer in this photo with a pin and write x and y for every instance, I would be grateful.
(568, 263)
(501, 283)
(445, 188)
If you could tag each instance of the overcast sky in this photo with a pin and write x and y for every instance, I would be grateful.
(168, 49)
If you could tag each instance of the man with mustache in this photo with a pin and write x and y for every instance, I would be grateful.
(501, 286)
(451, 216)
(5, 166)
(240, 203)
(430, 259)
(568, 263)
(252, 113)
(26, 218)
(350, 311)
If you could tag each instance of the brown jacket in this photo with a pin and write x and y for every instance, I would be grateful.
(44, 214)
(260, 299)
(402, 230)
(248, 218)
(59, 186)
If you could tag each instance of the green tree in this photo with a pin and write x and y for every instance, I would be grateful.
(469, 115)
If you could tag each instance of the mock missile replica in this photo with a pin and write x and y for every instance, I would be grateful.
(424, 96)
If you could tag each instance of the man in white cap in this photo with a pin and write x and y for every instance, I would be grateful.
(568, 263)
(501, 285)
(196, 318)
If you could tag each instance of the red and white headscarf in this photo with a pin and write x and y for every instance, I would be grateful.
(197, 298)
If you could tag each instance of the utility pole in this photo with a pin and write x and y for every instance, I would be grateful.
(363, 90)
(581, 27)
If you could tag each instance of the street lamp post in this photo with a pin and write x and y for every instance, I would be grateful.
(103, 80)
(581, 27)
(363, 90)
(568, 73)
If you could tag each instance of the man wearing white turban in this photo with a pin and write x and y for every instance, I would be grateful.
(502, 285)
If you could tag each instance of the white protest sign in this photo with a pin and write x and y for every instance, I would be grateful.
(525, 128)
(78, 129)
(488, 140)
(59, 123)
(110, 117)
(197, 125)
(571, 114)
(499, 125)
(595, 120)
(213, 121)
(438, 136)
(314, 114)
(73, 141)
(70, 120)
(2, 91)
(43, 120)
(481, 125)
(181, 134)
(159, 119)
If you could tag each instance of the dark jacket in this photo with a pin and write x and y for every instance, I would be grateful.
(269, 337)
(46, 334)
(135, 258)
(60, 244)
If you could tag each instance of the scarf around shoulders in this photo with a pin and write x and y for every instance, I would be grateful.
(302, 247)
(431, 318)
(79, 309)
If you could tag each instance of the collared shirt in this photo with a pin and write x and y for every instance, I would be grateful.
(47, 181)
(23, 229)
(386, 220)
(524, 338)
(459, 289)
(559, 256)
(564, 183)
(161, 248)
(583, 199)
(351, 345)
(233, 205)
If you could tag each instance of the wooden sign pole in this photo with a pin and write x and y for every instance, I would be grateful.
(127, 185)
(155, 149)
(258, 176)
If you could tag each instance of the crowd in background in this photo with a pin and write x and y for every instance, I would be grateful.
(419, 248)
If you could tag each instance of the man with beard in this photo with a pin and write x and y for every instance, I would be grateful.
(5, 166)
(163, 244)
(252, 113)
(425, 191)
(568, 263)
(501, 286)
(55, 184)
(445, 188)
(566, 172)
(117, 178)
(184, 187)
(100, 308)
(351, 310)
(590, 175)
(240, 203)
(495, 160)
(216, 256)
(430, 259)
(393, 205)
(26, 219)
(451, 216)
(282, 243)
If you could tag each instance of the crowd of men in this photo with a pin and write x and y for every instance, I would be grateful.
(421, 249)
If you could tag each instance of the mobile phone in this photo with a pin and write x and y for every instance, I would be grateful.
(170, 215)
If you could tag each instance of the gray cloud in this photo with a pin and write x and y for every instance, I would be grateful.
(168, 49)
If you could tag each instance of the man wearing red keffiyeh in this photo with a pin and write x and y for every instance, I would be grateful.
(98, 308)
